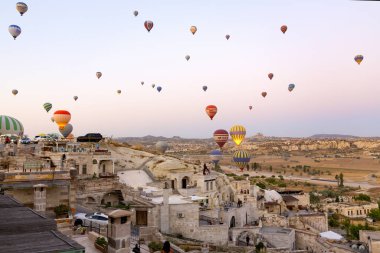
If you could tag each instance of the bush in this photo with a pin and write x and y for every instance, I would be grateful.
(283, 185)
(363, 197)
(155, 246)
(101, 241)
(261, 185)
(61, 210)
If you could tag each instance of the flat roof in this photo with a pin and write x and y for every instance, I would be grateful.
(277, 230)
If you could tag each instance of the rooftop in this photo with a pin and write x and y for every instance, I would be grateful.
(275, 230)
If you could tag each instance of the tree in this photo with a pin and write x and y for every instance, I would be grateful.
(341, 180)
(261, 185)
(363, 197)
(270, 168)
(255, 166)
(374, 214)
(337, 179)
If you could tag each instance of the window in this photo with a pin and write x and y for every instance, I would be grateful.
(104, 168)
(123, 219)
(206, 186)
(211, 185)
(84, 169)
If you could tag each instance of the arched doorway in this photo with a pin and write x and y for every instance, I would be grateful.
(246, 238)
(232, 222)
(185, 182)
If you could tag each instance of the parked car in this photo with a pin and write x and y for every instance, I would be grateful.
(25, 140)
(39, 138)
(91, 218)
(91, 137)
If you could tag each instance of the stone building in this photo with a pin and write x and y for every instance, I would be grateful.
(351, 210)
(371, 239)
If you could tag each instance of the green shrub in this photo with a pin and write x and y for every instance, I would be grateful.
(261, 185)
(61, 209)
(155, 246)
(101, 241)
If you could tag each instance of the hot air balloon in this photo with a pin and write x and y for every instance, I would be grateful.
(66, 130)
(135, 13)
(359, 58)
(211, 110)
(204, 88)
(15, 92)
(99, 74)
(75, 98)
(21, 7)
(193, 29)
(162, 146)
(216, 155)
(250, 107)
(118, 91)
(153, 85)
(142, 83)
(264, 94)
(159, 88)
(148, 25)
(52, 119)
(284, 28)
(270, 75)
(14, 30)
(61, 118)
(47, 106)
(237, 134)
(227, 37)
(291, 87)
(187, 57)
(241, 159)
(10, 125)
(221, 137)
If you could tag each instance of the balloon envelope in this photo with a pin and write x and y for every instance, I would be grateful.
(284, 28)
(14, 30)
(291, 87)
(237, 133)
(66, 130)
(221, 137)
(15, 92)
(75, 98)
(21, 7)
(227, 37)
(193, 29)
(61, 118)
(98, 74)
(162, 146)
(216, 155)
(52, 119)
(47, 106)
(148, 25)
(241, 159)
(204, 88)
(250, 107)
(264, 94)
(159, 88)
(187, 57)
(118, 91)
(153, 85)
(135, 13)
(211, 110)
(270, 75)
(142, 83)
(10, 125)
(359, 58)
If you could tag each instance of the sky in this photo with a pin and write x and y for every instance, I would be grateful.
(64, 43)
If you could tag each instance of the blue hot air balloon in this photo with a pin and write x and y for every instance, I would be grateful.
(204, 88)
(291, 87)
(216, 156)
(159, 88)
(14, 30)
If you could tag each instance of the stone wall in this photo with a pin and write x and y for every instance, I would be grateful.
(314, 222)
(281, 239)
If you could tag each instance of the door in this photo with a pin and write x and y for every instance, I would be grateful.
(141, 218)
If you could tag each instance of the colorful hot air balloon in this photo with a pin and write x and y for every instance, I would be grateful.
(159, 88)
(10, 125)
(216, 155)
(250, 107)
(153, 85)
(241, 159)
(148, 25)
(135, 13)
(359, 58)
(291, 87)
(52, 119)
(162, 146)
(142, 83)
(204, 88)
(21, 7)
(14, 30)
(62, 118)
(270, 75)
(66, 130)
(284, 28)
(227, 37)
(264, 94)
(221, 137)
(211, 110)
(47, 106)
(237, 133)
(75, 98)
(118, 91)
(15, 92)
(193, 29)
(187, 57)
(99, 74)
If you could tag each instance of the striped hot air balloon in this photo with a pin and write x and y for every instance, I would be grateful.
(47, 106)
(14, 30)
(216, 155)
(10, 125)
(211, 110)
(66, 131)
(62, 118)
(221, 137)
(237, 134)
(21, 8)
(241, 159)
